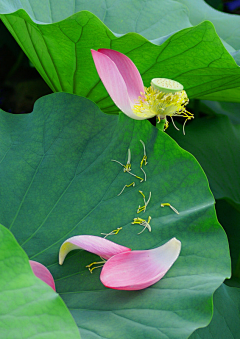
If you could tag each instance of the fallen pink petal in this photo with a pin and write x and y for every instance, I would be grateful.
(102, 247)
(137, 270)
(126, 269)
(42, 273)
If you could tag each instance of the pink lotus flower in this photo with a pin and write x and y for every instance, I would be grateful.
(126, 269)
(42, 273)
(124, 84)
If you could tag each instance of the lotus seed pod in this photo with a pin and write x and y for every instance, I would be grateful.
(166, 85)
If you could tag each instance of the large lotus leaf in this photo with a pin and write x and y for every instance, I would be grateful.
(215, 142)
(226, 316)
(152, 19)
(230, 109)
(227, 25)
(61, 53)
(58, 180)
(29, 308)
(229, 217)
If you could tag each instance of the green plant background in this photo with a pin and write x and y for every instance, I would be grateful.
(164, 38)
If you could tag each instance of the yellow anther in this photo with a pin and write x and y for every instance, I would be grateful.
(127, 167)
(132, 184)
(166, 125)
(114, 232)
(117, 230)
(95, 263)
(144, 160)
(143, 208)
(161, 103)
(167, 204)
(141, 179)
(143, 222)
(138, 221)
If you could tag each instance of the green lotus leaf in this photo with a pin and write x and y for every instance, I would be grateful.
(226, 321)
(215, 142)
(57, 180)
(60, 50)
(154, 20)
(227, 25)
(230, 109)
(229, 217)
(27, 303)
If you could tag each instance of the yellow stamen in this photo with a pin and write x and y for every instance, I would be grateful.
(127, 167)
(144, 160)
(132, 184)
(167, 204)
(141, 179)
(143, 222)
(161, 104)
(114, 232)
(95, 263)
(143, 208)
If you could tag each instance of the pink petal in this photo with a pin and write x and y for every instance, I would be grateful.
(114, 83)
(128, 71)
(42, 273)
(136, 270)
(97, 245)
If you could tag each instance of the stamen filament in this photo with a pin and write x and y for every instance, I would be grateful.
(118, 162)
(143, 222)
(95, 263)
(173, 208)
(114, 232)
(141, 179)
(143, 208)
(145, 175)
(132, 184)
(144, 160)
(184, 125)
(174, 123)
(127, 167)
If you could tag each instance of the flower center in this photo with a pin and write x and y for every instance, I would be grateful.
(163, 98)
